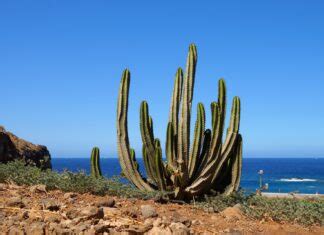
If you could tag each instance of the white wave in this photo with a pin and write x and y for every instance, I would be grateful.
(297, 180)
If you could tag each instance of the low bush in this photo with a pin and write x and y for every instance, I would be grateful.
(20, 174)
(302, 211)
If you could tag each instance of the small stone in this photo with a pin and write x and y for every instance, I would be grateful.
(40, 188)
(66, 223)
(63, 231)
(101, 228)
(16, 231)
(50, 204)
(110, 211)
(149, 222)
(3, 187)
(177, 218)
(160, 231)
(72, 213)
(148, 211)
(15, 202)
(157, 222)
(196, 222)
(24, 215)
(92, 212)
(90, 231)
(131, 212)
(209, 210)
(78, 229)
(37, 228)
(232, 231)
(52, 219)
(232, 214)
(238, 206)
(70, 195)
(179, 228)
(35, 216)
(106, 202)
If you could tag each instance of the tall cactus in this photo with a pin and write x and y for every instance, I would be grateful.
(190, 169)
(95, 163)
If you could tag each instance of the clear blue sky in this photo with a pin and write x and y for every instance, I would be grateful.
(61, 62)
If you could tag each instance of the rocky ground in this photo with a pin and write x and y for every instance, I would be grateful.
(33, 210)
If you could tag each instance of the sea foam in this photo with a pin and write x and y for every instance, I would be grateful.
(297, 180)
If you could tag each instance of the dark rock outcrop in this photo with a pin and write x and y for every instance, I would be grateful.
(13, 148)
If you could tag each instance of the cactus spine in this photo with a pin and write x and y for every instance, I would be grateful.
(95, 163)
(190, 169)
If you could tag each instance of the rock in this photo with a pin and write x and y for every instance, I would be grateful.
(157, 222)
(106, 202)
(196, 222)
(179, 229)
(70, 195)
(37, 228)
(131, 212)
(66, 223)
(149, 222)
(16, 231)
(34, 216)
(177, 218)
(3, 186)
(232, 213)
(160, 231)
(13, 148)
(137, 229)
(92, 212)
(63, 231)
(41, 188)
(148, 211)
(51, 218)
(50, 204)
(209, 210)
(24, 215)
(101, 228)
(232, 231)
(110, 211)
(238, 206)
(72, 213)
(15, 202)
(78, 229)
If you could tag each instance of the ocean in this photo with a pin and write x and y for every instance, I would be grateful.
(303, 175)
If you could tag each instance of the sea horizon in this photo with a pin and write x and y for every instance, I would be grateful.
(302, 175)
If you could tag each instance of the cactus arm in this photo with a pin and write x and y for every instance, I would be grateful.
(236, 168)
(184, 125)
(95, 163)
(231, 137)
(207, 169)
(222, 101)
(213, 106)
(146, 126)
(176, 100)
(92, 161)
(124, 152)
(170, 146)
(203, 157)
(198, 137)
(148, 167)
(160, 169)
(200, 185)
(171, 143)
(146, 130)
(218, 117)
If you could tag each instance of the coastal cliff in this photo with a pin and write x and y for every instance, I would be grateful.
(14, 148)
